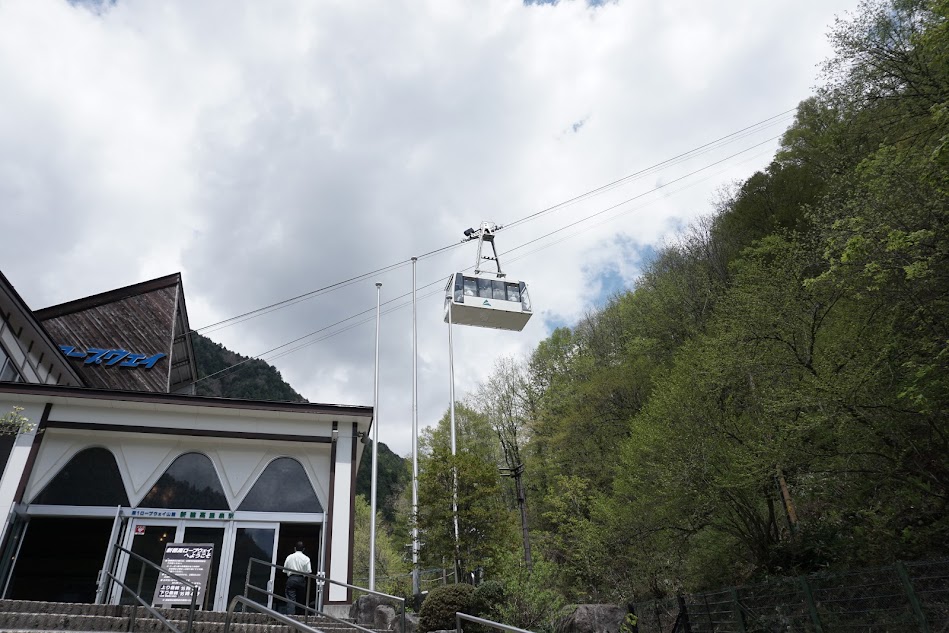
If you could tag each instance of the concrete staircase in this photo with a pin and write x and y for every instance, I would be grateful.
(28, 615)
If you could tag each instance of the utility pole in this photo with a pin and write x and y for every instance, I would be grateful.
(516, 473)
(375, 451)
(416, 579)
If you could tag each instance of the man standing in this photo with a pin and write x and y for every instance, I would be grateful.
(296, 563)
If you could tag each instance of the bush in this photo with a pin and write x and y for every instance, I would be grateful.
(487, 600)
(438, 610)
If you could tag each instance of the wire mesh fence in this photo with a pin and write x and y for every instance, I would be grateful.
(900, 598)
(401, 584)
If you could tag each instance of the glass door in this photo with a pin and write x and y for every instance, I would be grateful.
(253, 540)
(148, 539)
(203, 532)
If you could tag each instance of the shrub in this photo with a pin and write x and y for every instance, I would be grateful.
(488, 598)
(438, 610)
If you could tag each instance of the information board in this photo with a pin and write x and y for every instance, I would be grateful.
(191, 561)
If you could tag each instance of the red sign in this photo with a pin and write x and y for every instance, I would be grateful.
(139, 529)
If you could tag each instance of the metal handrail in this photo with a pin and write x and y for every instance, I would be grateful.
(373, 593)
(320, 580)
(308, 608)
(138, 593)
(459, 616)
(247, 602)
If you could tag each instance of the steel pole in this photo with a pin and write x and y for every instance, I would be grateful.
(454, 467)
(416, 579)
(375, 450)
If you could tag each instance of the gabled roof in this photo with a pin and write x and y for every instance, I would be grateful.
(110, 296)
(17, 314)
(143, 321)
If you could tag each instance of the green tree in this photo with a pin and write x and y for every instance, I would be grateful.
(392, 570)
(485, 523)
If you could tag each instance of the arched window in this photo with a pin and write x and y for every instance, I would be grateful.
(190, 482)
(90, 478)
(282, 487)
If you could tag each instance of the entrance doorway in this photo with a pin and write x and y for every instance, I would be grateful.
(290, 534)
(60, 559)
(148, 538)
(235, 544)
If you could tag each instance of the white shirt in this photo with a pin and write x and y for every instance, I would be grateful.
(297, 561)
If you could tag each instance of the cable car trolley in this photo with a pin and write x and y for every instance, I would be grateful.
(485, 298)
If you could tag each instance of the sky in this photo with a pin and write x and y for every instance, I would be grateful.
(269, 149)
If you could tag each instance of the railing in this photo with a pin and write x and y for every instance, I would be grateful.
(320, 581)
(401, 601)
(247, 602)
(137, 594)
(905, 597)
(497, 625)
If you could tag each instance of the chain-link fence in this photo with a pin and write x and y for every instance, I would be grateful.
(401, 585)
(900, 598)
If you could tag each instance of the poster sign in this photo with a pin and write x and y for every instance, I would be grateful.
(191, 561)
(139, 529)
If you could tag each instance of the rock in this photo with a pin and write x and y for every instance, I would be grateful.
(386, 618)
(411, 623)
(363, 611)
(591, 618)
(389, 618)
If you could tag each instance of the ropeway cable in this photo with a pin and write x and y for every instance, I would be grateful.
(697, 151)
(264, 355)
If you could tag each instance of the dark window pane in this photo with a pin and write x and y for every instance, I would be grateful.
(91, 478)
(6, 447)
(484, 289)
(282, 487)
(8, 372)
(251, 543)
(498, 290)
(513, 292)
(190, 482)
(471, 287)
(150, 545)
(525, 298)
(215, 536)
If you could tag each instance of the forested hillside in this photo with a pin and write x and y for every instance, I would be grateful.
(772, 397)
(258, 380)
(253, 380)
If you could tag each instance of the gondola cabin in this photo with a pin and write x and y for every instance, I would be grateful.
(487, 301)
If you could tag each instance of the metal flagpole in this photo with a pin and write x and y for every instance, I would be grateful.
(375, 451)
(416, 580)
(454, 467)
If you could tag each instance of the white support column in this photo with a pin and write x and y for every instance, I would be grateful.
(19, 455)
(342, 517)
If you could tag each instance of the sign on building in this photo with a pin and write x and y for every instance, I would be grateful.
(191, 561)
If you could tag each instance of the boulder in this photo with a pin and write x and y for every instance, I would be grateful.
(363, 611)
(591, 618)
(386, 618)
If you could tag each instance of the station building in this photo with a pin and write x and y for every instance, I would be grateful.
(118, 450)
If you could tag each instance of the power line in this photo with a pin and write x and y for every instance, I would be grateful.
(697, 151)
(263, 355)
(669, 161)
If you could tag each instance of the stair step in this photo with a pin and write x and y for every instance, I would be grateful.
(29, 615)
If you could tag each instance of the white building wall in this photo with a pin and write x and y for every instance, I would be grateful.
(10, 480)
(342, 511)
(142, 459)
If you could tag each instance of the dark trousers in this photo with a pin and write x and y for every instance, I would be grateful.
(296, 592)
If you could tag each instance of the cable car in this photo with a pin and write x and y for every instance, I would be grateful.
(486, 299)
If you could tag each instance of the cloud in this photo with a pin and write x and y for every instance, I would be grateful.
(267, 149)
